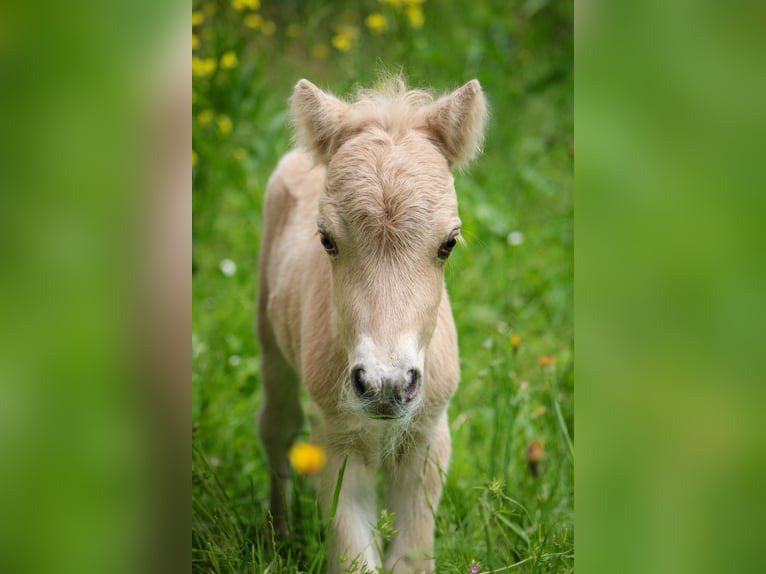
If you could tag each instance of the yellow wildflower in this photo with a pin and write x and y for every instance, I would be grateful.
(205, 117)
(224, 125)
(203, 66)
(268, 27)
(253, 21)
(240, 5)
(239, 154)
(228, 60)
(195, 158)
(307, 458)
(515, 342)
(415, 15)
(414, 2)
(320, 51)
(197, 18)
(195, 41)
(377, 23)
(342, 42)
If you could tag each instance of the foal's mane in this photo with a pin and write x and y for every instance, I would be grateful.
(391, 105)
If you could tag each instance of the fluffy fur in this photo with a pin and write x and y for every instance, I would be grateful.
(374, 175)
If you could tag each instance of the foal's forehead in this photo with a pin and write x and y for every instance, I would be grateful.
(390, 190)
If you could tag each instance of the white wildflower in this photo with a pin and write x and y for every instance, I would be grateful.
(228, 267)
(515, 238)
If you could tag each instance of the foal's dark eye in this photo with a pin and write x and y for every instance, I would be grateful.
(447, 247)
(328, 243)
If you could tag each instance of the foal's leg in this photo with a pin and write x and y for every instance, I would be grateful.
(413, 493)
(351, 538)
(279, 421)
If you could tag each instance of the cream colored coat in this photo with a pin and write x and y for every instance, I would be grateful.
(367, 325)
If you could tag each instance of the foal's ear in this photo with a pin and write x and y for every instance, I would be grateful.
(317, 117)
(455, 122)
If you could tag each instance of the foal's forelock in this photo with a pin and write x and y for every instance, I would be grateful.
(389, 196)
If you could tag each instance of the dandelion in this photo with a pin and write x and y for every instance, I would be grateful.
(342, 42)
(195, 41)
(228, 60)
(253, 21)
(515, 343)
(205, 117)
(239, 154)
(240, 5)
(268, 28)
(377, 23)
(195, 158)
(545, 361)
(228, 267)
(203, 67)
(535, 455)
(345, 37)
(320, 51)
(307, 458)
(197, 18)
(225, 125)
(415, 16)
(515, 238)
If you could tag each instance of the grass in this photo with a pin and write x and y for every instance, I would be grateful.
(495, 512)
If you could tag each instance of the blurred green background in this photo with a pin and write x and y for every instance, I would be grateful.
(511, 286)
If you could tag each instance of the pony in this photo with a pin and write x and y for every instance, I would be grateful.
(359, 221)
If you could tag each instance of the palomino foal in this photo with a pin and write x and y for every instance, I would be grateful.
(358, 226)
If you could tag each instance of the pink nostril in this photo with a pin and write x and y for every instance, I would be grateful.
(413, 380)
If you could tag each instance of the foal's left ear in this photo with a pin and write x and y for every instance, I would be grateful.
(455, 122)
(318, 117)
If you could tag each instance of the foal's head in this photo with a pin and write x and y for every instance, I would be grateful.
(388, 220)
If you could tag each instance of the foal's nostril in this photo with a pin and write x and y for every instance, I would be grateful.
(358, 382)
(411, 387)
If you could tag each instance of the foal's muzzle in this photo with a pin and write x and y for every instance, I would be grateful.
(386, 396)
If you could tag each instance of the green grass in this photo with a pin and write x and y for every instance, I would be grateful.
(494, 511)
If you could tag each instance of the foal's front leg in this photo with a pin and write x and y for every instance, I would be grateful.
(351, 539)
(414, 489)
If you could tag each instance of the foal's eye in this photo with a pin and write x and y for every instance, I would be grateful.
(447, 247)
(328, 243)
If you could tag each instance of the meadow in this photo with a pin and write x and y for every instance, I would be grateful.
(510, 285)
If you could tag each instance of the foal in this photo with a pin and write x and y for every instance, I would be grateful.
(352, 301)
